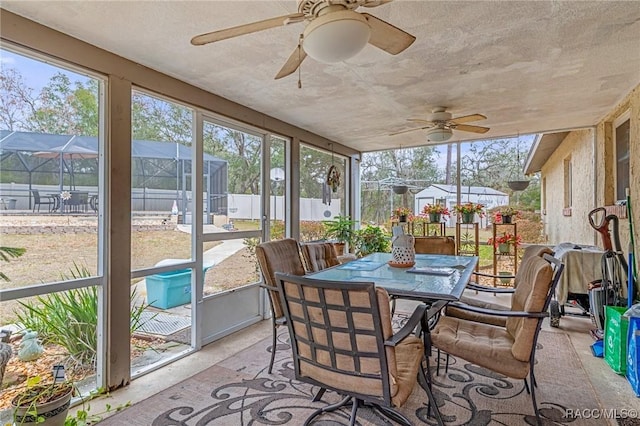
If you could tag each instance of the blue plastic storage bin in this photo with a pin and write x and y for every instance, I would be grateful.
(169, 289)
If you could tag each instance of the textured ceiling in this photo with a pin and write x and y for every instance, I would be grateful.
(529, 66)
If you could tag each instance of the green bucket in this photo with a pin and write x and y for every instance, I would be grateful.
(615, 338)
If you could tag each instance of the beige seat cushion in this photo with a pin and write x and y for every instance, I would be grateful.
(435, 245)
(319, 256)
(278, 256)
(485, 345)
(518, 298)
(408, 357)
(478, 317)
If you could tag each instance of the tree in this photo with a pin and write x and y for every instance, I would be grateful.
(17, 101)
(414, 166)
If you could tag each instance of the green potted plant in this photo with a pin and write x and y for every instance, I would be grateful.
(503, 243)
(468, 211)
(435, 212)
(505, 214)
(341, 231)
(42, 403)
(370, 239)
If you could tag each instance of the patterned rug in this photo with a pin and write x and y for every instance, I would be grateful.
(239, 391)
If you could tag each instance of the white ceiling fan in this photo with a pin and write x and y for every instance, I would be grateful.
(441, 125)
(335, 32)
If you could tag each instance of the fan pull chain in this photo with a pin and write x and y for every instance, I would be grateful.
(299, 63)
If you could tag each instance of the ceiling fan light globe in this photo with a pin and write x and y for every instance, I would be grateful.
(336, 36)
(439, 134)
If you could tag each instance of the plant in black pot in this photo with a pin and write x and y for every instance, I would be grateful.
(340, 231)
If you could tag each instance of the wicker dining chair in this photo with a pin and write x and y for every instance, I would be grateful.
(277, 256)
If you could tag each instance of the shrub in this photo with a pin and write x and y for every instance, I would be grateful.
(312, 230)
(70, 318)
(371, 239)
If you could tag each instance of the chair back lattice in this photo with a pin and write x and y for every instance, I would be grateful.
(319, 256)
(337, 333)
(278, 256)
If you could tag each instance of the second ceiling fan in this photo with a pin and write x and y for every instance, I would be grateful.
(335, 32)
(440, 125)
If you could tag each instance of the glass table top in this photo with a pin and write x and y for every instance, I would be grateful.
(434, 276)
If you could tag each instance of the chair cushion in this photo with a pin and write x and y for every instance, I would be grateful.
(409, 354)
(485, 345)
(518, 298)
(278, 256)
(435, 245)
(452, 311)
(319, 256)
(538, 273)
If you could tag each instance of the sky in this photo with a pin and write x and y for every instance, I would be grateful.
(35, 73)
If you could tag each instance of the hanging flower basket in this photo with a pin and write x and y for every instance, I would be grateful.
(400, 189)
(518, 185)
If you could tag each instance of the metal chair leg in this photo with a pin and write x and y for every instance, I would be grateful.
(273, 345)
(533, 399)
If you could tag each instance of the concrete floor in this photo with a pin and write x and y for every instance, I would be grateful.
(612, 390)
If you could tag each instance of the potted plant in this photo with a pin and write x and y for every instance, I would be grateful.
(468, 211)
(42, 403)
(505, 215)
(503, 243)
(402, 214)
(435, 212)
(370, 239)
(340, 231)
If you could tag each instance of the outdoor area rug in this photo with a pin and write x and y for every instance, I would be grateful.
(239, 391)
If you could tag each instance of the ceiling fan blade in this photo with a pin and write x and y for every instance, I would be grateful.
(468, 118)
(246, 29)
(387, 37)
(376, 3)
(292, 64)
(409, 130)
(469, 128)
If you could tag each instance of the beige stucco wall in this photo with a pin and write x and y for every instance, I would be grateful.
(579, 147)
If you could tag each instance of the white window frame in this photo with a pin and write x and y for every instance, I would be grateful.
(626, 116)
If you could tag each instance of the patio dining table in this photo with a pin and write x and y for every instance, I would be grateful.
(434, 277)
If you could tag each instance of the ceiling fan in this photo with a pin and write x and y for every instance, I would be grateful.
(335, 32)
(441, 125)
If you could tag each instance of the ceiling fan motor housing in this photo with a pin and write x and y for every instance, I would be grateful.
(336, 36)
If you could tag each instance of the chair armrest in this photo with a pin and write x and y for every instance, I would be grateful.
(409, 326)
(478, 287)
(482, 274)
(479, 310)
(268, 287)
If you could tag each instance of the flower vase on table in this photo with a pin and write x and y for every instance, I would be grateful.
(435, 217)
(506, 219)
(403, 253)
(402, 218)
